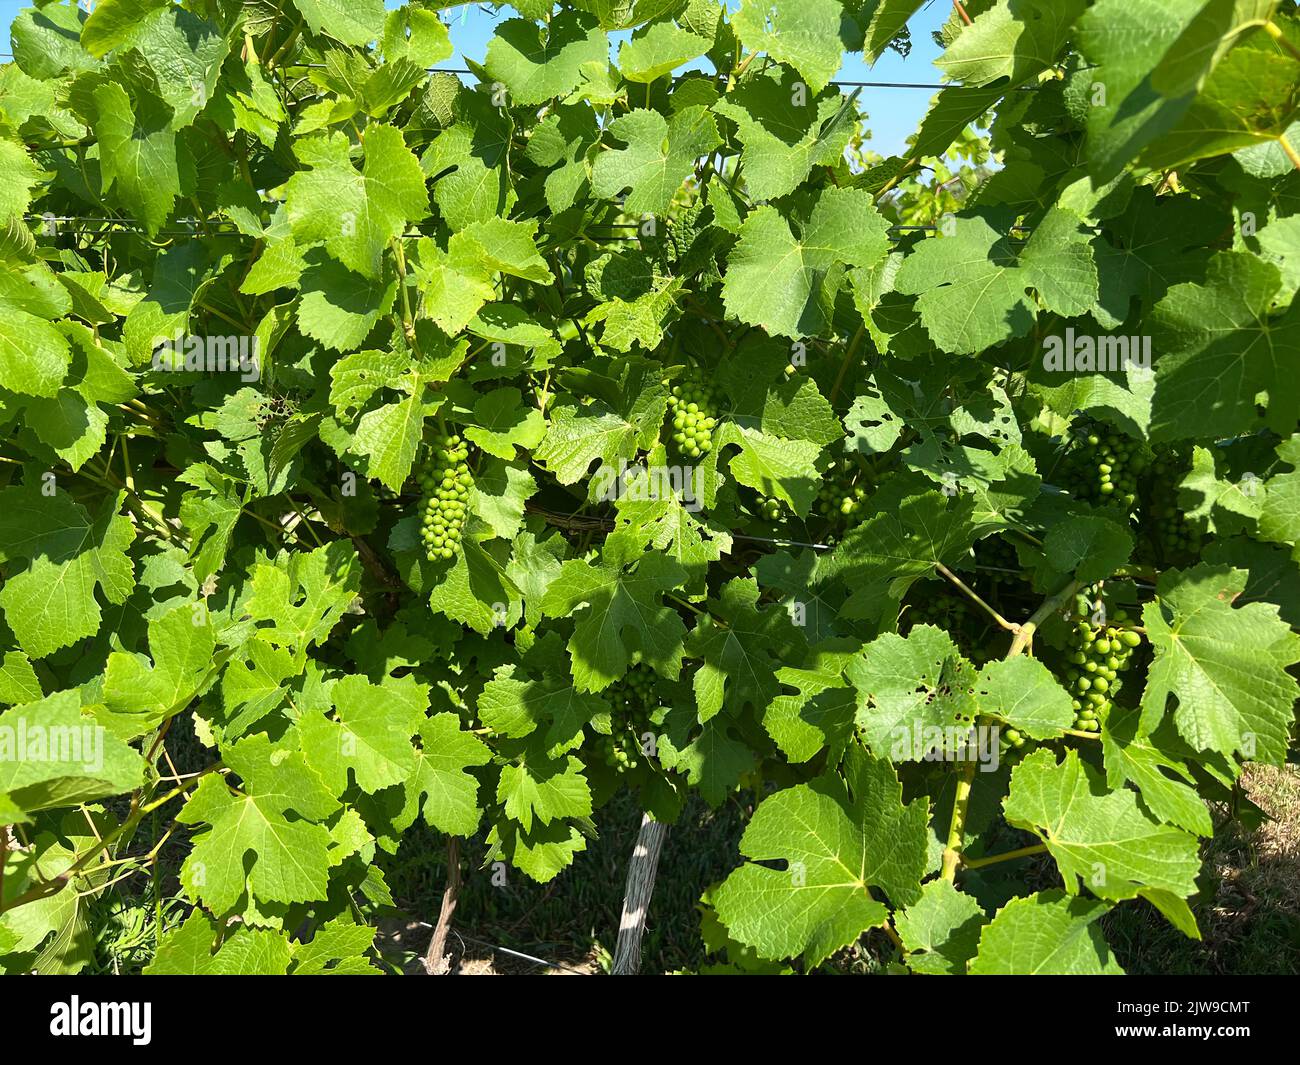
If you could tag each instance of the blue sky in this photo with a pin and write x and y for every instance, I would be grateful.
(893, 113)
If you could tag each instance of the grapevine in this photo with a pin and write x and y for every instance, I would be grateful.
(411, 469)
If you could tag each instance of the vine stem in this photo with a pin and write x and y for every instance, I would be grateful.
(1019, 852)
(975, 597)
(961, 10)
(844, 364)
(1283, 42)
(735, 74)
(408, 322)
(288, 43)
(250, 52)
(1289, 149)
(134, 501)
(53, 887)
(956, 827)
(889, 185)
(1079, 734)
(1024, 638)
(436, 959)
(1022, 641)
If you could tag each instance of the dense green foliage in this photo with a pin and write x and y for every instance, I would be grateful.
(473, 453)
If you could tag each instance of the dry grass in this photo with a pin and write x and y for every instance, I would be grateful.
(1248, 908)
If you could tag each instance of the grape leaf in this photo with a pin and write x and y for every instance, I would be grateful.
(659, 49)
(351, 23)
(741, 647)
(303, 595)
(1124, 40)
(538, 63)
(1167, 787)
(1090, 548)
(141, 158)
(1047, 934)
(713, 761)
(787, 284)
(517, 705)
(439, 786)
(544, 789)
(1014, 39)
(821, 715)
(972, 286)
(51, 602)
(915, 692)
(369, 733)
(354, 214)
(659, 156)
(1226, 665)
(182, 644)
(840, 840)
(290, 858)
(803, 33)
(504, 424)
(1100, 837)
(941, 931)
(1219, 346)
(623, 613)
(1022, 692)
(784, 132)
(51, 755)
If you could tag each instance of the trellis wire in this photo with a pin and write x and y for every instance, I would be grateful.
(507, 950)
(925, 85)
(194, 224)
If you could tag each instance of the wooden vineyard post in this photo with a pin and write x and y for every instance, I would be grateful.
(641, 872)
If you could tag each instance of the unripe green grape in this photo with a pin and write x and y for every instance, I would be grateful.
(1104, 468)
(938, 608)
(446, 480)
(1097, 656)
(632, 701)
(1175, 538)
(692, 403)
(842, 499)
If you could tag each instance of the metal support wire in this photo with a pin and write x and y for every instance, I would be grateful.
(924, 85)
(895, 231)
(462, 936)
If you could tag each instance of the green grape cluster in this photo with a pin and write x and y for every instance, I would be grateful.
(1104, 467)
(1098, 655)
(998, 563)
(692, 412)
(1174, 536)
(947, 612)
(633, 700)
(1012, 738)
(844, 491)
(445, 480)
(769, 509)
